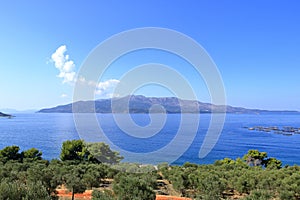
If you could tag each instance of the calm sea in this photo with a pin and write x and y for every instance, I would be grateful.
(46, 132)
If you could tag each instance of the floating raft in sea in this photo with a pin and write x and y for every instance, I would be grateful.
(285, 130)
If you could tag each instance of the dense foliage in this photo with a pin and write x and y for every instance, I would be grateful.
(134, 187)
(245, 178)
(25, 175)
(78, 150)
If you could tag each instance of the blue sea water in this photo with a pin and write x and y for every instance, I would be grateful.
(46, 132)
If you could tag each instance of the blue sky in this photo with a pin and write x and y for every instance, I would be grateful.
(255, 44)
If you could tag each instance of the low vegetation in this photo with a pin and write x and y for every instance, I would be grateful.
(26, 176)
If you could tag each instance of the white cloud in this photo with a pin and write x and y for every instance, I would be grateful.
(105, 89)
(63, 63)
(63, 96)
(67, 72)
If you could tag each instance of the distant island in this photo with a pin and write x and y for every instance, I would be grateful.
(142, 104)
(5, 115)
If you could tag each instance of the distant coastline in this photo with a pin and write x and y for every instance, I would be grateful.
(5, 115)
(142, 104)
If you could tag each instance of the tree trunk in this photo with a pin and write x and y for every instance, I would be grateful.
(72, 193)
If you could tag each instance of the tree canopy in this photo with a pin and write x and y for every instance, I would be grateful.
(134, 187)
(78, 150)
(257, 158)
(25, 175)
(102, 153)
(12, 153)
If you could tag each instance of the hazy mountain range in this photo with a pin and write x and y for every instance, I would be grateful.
(142, 104)
(14, 111)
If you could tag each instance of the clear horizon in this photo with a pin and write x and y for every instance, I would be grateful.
(255, 46)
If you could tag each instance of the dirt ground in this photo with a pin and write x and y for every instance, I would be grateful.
(87, 195)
